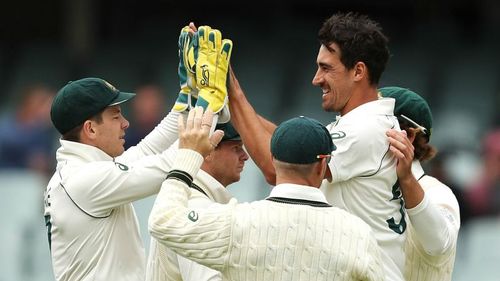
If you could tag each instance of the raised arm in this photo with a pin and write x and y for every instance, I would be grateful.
(200, 235)
(432, 211)
(255, 130)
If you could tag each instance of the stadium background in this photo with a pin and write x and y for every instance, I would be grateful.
(448, 51)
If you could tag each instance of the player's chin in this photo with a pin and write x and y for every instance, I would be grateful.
(120, 151)
(327, 107)
(237, 177)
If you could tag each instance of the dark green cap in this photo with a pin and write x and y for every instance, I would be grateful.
(230, 132)
(410, 107)
(79, 100)
(301, 140)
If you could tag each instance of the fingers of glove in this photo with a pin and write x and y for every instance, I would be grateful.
(214, 40)
(190, 52)
(227, 48)
(182, 36)
(223, 62)
(202, 34)
(181, 70)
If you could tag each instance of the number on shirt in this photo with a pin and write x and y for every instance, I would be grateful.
(393, 225)
(48, 223)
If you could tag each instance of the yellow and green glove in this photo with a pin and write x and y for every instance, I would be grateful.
(212, 65)
(188, 50)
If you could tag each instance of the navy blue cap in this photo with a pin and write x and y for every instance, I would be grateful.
(82, 99)
(301, 140)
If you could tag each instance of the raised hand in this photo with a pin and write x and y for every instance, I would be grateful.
(212, 67)
(187, 50)
(195, 134)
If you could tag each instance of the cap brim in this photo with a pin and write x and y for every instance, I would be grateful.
(121, 98)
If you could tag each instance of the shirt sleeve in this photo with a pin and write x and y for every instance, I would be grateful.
(436, 220)
(161, 138)
(201, 235)
(98, 187)
(360, 150)
(190, 270)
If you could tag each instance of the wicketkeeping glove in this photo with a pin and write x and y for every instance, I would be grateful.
(187, 81)
(211, 69)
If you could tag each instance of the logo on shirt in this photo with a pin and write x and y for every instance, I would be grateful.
(337, 135)
(121, 166)
(193, 216)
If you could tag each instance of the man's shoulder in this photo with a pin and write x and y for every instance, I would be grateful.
(360, 129)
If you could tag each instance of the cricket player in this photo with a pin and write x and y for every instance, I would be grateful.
(294, 234)
(92, 227)
(220, 168)
(432, 208)
(362, 179)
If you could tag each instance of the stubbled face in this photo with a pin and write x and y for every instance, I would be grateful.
(334, 79)
(111, 132)
(227, 162)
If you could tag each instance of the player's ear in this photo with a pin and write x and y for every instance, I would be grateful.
(88, 130)
(328, 173)
(360, 71)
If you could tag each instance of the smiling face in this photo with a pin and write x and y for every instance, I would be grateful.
(109, 134)
(334, 79)
(226, 162)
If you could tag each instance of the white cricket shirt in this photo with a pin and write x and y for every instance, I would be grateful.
(92, 226)
(364, 178)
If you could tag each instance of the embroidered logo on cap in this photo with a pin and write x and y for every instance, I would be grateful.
(109, 85)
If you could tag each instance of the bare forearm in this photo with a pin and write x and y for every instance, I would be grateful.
(255, 131)
(267, 125)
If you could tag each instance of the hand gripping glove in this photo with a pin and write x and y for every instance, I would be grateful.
(211, 70)
(187, 81)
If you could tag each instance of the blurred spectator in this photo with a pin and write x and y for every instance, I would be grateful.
(148, 109)
(484, 194)
(26, 136)
(437, 169)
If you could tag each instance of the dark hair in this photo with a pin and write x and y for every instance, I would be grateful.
(74, 134)
(423, 150)
(359, 39)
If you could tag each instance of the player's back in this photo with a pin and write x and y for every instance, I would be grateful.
(283, 241)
